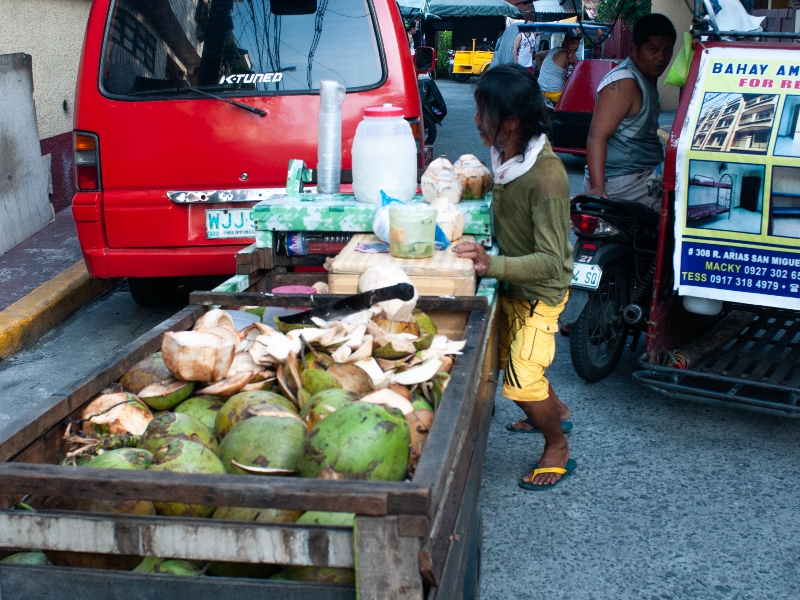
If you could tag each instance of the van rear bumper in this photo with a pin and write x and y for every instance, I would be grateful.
(161, 262)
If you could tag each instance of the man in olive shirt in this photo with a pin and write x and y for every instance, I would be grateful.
(530, 206)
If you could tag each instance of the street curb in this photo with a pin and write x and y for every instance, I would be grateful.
(29, 318)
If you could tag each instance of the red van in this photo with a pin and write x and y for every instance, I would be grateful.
(186, 107)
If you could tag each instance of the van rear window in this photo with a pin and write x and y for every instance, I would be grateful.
(236, 47)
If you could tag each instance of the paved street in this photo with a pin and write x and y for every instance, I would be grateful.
(671, 499)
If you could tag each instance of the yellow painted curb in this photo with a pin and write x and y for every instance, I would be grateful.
(31, 317)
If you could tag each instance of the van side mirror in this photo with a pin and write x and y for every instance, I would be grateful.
(424, 60)
(293, 7)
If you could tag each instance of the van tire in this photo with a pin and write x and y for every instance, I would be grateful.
(153, 291)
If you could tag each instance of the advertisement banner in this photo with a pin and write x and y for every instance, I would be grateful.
(737, 192)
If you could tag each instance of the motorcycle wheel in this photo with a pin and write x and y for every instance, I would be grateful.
(597, 338)
(460, 77)
(430, 129)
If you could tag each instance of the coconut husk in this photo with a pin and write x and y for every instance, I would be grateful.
(389, 398)
(395, 327)
(115, 414)
(419, 374)
(341, 354)
(230, 385)
(293, 367)
(284, 385)
(214, 318)
(225, 333)
(352, 378)
(371, 368)
(401, 389)
(242, 361)
(447, 364)
(419, 425)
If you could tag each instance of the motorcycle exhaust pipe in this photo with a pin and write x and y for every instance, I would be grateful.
(635, 316)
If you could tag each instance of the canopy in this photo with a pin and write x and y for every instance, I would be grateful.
(461, 8)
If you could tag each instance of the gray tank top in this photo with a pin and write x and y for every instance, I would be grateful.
(634, 147)
(551, 76)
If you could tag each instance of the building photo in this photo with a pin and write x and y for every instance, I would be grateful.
(739, 123)
(788, 140)
(784, 212)
(725, 196)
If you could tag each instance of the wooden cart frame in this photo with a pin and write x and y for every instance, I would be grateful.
(412, 540)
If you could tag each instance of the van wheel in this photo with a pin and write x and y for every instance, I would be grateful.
(430, 130)
(153, 291)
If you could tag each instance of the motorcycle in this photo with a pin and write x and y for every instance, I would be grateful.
(434, 109)
(615, 260)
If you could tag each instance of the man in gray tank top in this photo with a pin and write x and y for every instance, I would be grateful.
(623, 149)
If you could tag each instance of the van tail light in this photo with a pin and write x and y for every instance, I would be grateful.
(591, 225)
(87, 162)
(418, 131)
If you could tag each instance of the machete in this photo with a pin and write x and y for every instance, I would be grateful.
(352, 304)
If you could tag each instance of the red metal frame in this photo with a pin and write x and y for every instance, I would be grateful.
(149, 147)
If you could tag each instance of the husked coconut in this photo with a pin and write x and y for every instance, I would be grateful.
(449, 218)
(475, 178)
(381, 276)
(225, 333)
(197, 356)
(229, 386)
(242, 361)
(214, 318)
(441, 179)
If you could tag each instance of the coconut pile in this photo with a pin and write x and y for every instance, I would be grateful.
(347, 399)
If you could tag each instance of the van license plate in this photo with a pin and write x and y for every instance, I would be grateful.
(230, 223)
(586, 276)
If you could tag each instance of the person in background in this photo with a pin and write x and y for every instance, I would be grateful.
(553, 66)
(623, 150)
(525, 47)
(411, 31)
(530, 211)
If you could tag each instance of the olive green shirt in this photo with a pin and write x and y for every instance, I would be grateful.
(531, 224)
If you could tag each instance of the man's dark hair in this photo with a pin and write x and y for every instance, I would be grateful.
(509, 91)
(653, 25)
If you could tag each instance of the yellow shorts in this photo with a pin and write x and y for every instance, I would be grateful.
(527, 347)
(554, 97)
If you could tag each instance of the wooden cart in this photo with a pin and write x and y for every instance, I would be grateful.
(417, 539)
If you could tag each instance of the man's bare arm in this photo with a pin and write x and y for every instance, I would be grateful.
(614, 103)
(540, 56)
(517, 41)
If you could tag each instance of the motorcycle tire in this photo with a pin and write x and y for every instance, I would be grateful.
(460, 77)
(430, 129)
(597, 338)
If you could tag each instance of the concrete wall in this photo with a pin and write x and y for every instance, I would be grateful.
(51, 31)
(681, 17)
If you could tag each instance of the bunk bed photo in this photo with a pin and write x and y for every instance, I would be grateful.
(708, 198)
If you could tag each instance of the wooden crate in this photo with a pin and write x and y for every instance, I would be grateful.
(443, 274)
(413, 539)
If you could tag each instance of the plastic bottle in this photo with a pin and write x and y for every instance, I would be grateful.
(303, 243)
(384, 156)
(329, 144)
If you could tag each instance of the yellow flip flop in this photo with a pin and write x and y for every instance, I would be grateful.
(528, 485)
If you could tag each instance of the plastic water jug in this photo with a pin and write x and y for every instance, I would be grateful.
(384, 156)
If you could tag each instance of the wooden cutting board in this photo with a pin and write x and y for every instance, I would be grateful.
(443, 274)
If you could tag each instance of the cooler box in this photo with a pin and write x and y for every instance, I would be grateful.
(443, 274)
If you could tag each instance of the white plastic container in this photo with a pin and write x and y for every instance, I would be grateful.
(384, 156)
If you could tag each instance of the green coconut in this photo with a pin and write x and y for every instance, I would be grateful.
(359, 441)
(241, 406)
(166, 394)
(147, 372)
(182, 456)
(317, 380)
(177, 425)
(202, 408)
(336, 398)
(268, 442)
(178, 567)
(388, 352)
(149, 564)
(130, 459)
(320, 574)
(419, 403)
(26, 558)
(318, 517)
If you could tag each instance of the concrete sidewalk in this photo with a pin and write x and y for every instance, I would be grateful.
(42, 281)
